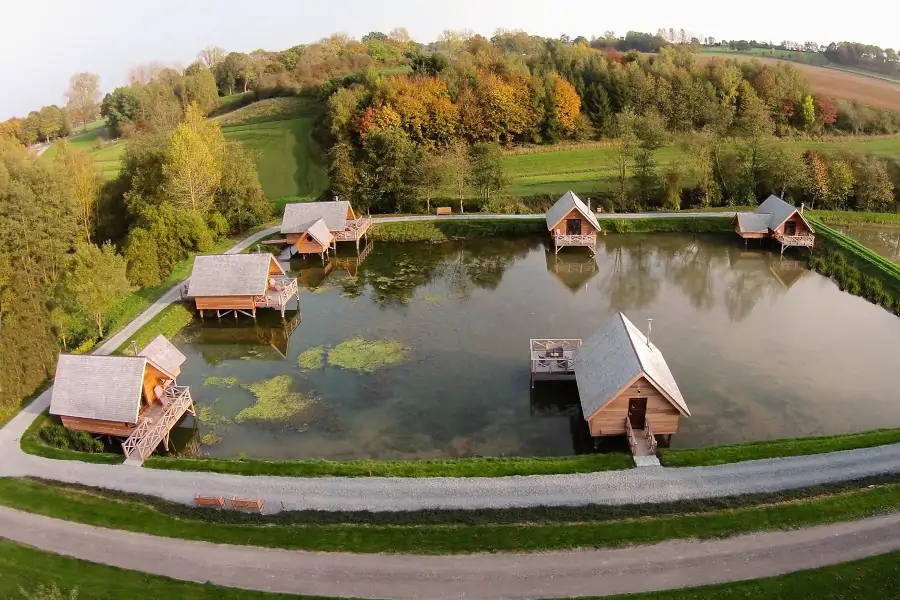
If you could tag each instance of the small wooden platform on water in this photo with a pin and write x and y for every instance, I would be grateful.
(553, 359)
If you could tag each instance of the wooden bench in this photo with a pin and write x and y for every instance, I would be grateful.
(209, 501)
(244, 504)
(444, 210)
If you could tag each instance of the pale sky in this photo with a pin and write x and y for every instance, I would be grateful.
(45, 41)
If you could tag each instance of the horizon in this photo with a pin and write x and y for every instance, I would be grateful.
(69, 34)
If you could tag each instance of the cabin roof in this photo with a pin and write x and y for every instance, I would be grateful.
(106, 388)
(164, 355)
(612, 358)
(769, 215)
(230, 275)
(299, 216)
(564, 206)
(319, 231)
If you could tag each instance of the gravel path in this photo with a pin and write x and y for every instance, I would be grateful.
(335, 493)
(511, 576)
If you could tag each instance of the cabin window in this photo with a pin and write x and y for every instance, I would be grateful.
(573, 226)
(309, 238)
(790, 228)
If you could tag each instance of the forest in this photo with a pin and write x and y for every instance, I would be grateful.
(403, 125)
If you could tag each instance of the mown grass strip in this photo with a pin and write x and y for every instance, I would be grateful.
(93, 509)
(26, 568)
(461, 467)
(168, 322)
(31, 444)
(720, 455)
(668, 225)
(443, 231)
(846, 217)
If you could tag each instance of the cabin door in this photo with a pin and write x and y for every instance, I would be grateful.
(790, 228)
(573, 226)
(637, 412)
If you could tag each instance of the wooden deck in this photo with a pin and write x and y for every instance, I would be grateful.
(588, 240)
(553, 359)
(802, 241)
(155, 423)
(355, 230)
(279, 298)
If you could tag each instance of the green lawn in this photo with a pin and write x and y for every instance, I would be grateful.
(288, 160)
(720, 455)
(592, 168)
(809, 58)
(155, 517)
(26, 568)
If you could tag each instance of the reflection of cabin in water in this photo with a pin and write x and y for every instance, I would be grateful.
(624, 384)
(573, 270)
(313, 277)
(778, 220)
(131, 397)
(240, 283)
(571, 223)
(316, 227)
(257, 340)
(786, 272)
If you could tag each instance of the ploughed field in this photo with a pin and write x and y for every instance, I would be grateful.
(421, 351)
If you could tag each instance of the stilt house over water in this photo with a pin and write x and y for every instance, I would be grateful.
(571, 223)
(314, 227)
(135, 398)
(240, 283)
(778, 220)
(625, 385)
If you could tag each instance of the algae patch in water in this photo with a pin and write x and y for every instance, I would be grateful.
(312, 359)
(220, 382)
(275, 402)
(433, 298)
(366, 356)
(213, 422)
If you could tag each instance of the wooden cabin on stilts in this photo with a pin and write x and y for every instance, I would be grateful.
(624, 384)
(239, 284)
(338, 219)
(571, 223)
(778, 220)
(134, 398)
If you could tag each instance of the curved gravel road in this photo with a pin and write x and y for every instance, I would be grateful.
(480, 576)
(645, 485)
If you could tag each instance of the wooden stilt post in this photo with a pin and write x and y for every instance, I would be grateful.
(201, 313)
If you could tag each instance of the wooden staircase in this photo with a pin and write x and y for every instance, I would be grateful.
(152, 430)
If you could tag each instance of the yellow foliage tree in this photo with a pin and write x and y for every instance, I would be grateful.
(85, 180)
(193, 167)
(567, 104)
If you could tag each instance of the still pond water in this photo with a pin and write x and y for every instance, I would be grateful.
(883, 240)
(761, 348)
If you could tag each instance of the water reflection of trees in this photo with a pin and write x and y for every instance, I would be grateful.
(630, 280)
(224, 339)
(395, 272)
(689, 268)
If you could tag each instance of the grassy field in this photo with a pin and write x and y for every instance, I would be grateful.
(288, 160)
(834, 81)
(337, 532)
(807, 58)
(26, 568)
(846, 217)
(591, 168)
(720, 455)
(107, 155)
(270, 109)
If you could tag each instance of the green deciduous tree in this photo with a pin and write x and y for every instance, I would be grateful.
(193, 167)
(85, 182)
(651, 134)
(84, 97)
(488, 176)
(95, 280)
(431, 173)
(627, 142)
(240, 198)
(596, 106)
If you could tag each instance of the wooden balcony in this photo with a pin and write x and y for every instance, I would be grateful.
(588, 240)
(801, 241)
(553, 359)
(155, 423)
(354, 230)
(279, 295)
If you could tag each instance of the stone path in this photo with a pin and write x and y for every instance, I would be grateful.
(510, 576)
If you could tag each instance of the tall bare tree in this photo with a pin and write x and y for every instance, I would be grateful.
(84, 97)
(211, 56)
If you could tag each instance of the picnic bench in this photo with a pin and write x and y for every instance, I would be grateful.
(444, 210)
(246, 503)
(209, 501)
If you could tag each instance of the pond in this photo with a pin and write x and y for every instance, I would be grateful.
(422, 350)
(882, 239)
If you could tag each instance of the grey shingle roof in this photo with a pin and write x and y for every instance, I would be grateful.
(564, 205)
(318, 230)
(164, 354)
(230, 275)
(299, 216)
(751, 222)
(611, 358)
(107, 388)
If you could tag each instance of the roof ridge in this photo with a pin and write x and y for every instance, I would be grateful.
(637, 355)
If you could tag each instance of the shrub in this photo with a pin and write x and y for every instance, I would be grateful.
(58, 436)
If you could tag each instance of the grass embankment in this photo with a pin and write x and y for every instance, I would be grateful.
(168, 322)
(26, 568)
(106, 154)
(412, 533)
(461, 467)
(591, 168)
(31, 443)
(668, 225)
(443, 231)
(846, 217)
(720, 455)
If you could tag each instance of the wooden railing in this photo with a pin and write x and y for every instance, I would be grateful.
(354, 229)
(651, 438)
(278, 298)
(147, 436)
(632, 441)
(796, 240)
(589, 239)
